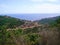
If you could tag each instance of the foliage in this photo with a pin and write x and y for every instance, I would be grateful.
(30, 36)
(10, 21)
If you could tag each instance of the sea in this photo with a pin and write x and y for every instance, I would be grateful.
(32, 17)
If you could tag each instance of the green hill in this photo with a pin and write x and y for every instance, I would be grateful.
(10, 22)
(48, 20)
(42, 35)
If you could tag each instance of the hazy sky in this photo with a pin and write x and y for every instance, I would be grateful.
(29, 6)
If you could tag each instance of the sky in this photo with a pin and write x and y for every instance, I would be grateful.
(29, 6)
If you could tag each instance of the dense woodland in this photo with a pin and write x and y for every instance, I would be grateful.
(10, 22)
(46, 34)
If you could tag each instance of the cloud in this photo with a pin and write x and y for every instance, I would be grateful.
(53, 0)
(37, 0)
(3, 6)
(5, 9)
(45, 0)
(44, 8)
(41, 8)
(34, 8)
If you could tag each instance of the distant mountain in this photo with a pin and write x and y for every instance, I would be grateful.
(48, 20)
(10, 22)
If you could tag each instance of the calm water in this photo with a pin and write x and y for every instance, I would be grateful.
(32, 16)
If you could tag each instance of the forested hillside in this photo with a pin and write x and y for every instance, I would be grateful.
(10, 22)
(48, 20)
(38, 35)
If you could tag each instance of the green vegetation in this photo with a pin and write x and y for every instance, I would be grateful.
(48, 20)
(58, 29)
(10, 22)
(44, 35)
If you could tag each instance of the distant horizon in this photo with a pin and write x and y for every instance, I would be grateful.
(32, 17)
(29, 13)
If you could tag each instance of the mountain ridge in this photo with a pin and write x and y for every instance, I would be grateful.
(48, 20)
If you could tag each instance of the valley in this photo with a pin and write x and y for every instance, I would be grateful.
(14, 31)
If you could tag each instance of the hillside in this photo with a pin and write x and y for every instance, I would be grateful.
(10, 22)
(31, 33)
(48, 20)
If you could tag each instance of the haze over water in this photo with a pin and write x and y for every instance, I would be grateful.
(30, 9)
(32, 17)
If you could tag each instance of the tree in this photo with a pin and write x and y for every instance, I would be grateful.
(58, 28)
(32, 39)
(2, 35)
(56, 24)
